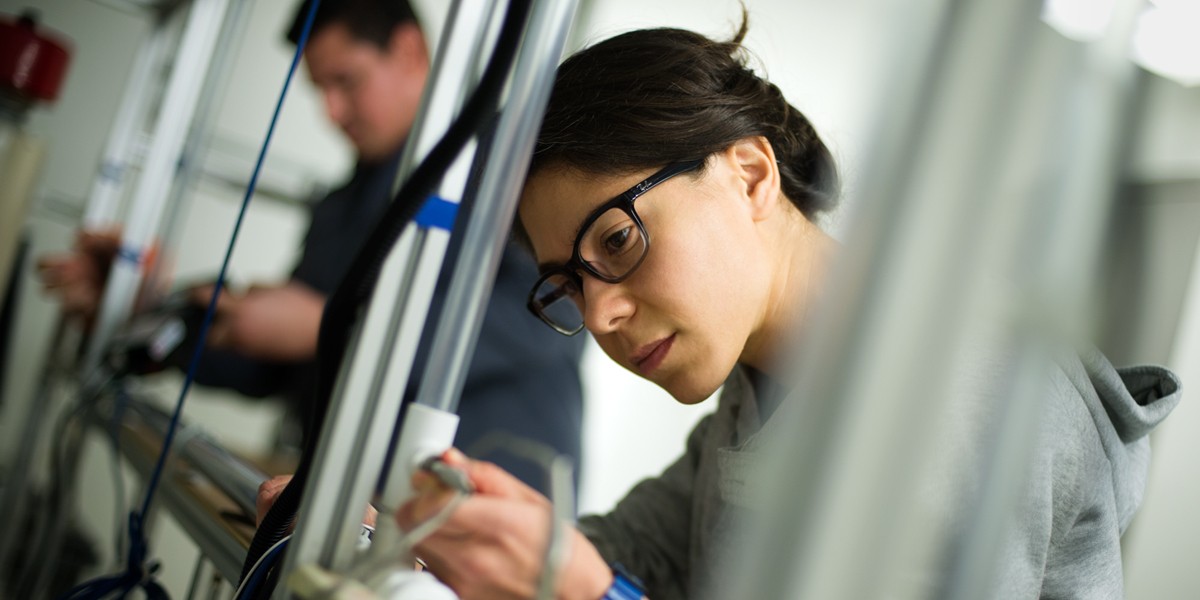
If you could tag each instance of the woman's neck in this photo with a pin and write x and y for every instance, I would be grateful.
(799, 269)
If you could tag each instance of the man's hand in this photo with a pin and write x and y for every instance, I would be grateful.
(77, 277)
(494, 544)
(268, 493)
(271, 323)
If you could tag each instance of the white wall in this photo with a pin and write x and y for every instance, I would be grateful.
(1163, 544)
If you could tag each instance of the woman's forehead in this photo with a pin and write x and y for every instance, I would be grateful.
(570, 188)
(556, 200)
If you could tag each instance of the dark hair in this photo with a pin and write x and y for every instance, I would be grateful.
(649, 97)
(368, 20)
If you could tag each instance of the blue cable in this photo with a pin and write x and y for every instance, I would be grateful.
(136, 573)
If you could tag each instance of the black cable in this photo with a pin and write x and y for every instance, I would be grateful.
(56, 508)
(8, 308)
(354, 292)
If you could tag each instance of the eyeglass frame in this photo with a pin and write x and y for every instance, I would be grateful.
(623, 201)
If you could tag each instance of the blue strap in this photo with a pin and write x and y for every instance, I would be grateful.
(624, 586)
(130, 254)
(437, 213)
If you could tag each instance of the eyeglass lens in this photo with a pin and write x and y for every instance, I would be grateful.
(613, 244)
(558, 300)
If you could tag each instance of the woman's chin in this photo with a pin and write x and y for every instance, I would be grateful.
(691, 394)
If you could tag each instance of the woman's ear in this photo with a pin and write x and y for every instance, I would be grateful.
(753, 162)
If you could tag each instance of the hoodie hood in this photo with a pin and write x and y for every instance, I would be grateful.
(1125, 405)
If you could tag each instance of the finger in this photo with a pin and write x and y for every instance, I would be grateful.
(427, 503)
(53, 261)
(103, 240)
(260, 288)
(268, 492)
(51, 277)
(489, 479)
(60, 269)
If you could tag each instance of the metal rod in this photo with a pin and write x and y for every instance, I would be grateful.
(234, 476)
(199, 138)
(145, 214)
(197, 575)
(487, 231)
(105, 196)
(17, 480)
(360, 419)
(211, 533)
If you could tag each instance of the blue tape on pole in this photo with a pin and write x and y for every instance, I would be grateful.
(437, 213)
(131, 255)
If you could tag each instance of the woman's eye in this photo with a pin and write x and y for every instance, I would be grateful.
(616, 242)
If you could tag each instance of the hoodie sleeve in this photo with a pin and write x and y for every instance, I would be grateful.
(649, 530)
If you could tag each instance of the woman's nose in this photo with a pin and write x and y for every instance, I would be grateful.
(605, 306)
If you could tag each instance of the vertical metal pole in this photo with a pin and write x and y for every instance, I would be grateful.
(179, 103)
(105, 196)
(197, 576)
(360, 419)
(216, 82)
(974, 244)
(486, 233)
(17, 483)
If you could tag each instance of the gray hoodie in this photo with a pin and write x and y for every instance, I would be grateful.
(1086, 482)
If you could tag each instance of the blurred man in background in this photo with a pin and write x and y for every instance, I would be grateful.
(369, 60)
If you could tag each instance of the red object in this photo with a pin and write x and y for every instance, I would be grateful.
(32, 64)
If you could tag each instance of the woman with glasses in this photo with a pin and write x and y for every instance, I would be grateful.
(671, 205)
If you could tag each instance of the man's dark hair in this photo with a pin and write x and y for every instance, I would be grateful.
(367, 20)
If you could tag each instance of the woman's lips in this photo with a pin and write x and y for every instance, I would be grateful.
(650, 356)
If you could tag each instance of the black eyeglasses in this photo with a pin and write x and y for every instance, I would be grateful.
(611, 245)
